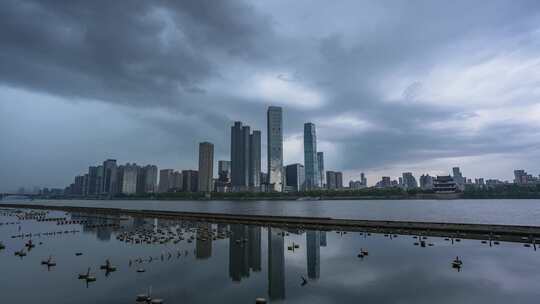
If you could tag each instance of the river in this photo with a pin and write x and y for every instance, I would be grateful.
(475, 211)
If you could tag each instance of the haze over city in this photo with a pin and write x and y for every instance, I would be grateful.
(391, 88)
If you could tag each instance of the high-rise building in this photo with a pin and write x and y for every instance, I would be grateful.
(177, 182)
(426, 182)
(190, 179)
(127, 178)
(295, 177)
(458, 178)
(239, 156)
(339, 180)
(110, 176)
(385, 182)
(310, 157)
(255, 160)
(274, 119)
(165, 180)
(224, 170)
(206, 167)
(409, 182)
(78, 185)
(150, 178)
(523, 178)
(223, 183)
(92, 180)
(320, 163)
(363, 179)
(100, 174)
(334, 180)
(355, 185)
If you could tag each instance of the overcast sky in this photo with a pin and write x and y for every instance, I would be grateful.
(392, 86)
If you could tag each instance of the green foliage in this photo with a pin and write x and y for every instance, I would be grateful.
(503, 191)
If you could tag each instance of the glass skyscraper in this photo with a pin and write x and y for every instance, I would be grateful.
(275, 147)
(320, 164)
(311, 162)
(239, 156)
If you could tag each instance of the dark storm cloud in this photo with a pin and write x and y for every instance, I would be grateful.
(142, 52)
(386, 82)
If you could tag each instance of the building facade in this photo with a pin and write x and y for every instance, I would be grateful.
(408, 181)
(274, 120)
(255, 160)
(165, 180)
(110, 176)
(240, 156)
(295, 177)
(127, 178)
(310, 157)
(322, 175)
(206, 167)
(190, 179)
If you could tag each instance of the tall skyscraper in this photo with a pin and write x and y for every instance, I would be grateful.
(100, 173)
(147, 179)
(240, 156)
(276, 264)
(274, 119)
(177, 184)
(127, 178)
(150, 178)
(334, 180)
(206, 167)
(295, 177)
(110, 176)
(165, 180)
(190, 180)
(320, 163)
(255, 160)
(310, 157)
(92, 180)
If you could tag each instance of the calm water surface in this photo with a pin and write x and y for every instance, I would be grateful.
(252, 261)
(511, 212)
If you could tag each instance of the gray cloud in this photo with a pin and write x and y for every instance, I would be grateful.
(387, 83)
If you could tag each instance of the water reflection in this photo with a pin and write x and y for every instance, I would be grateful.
(235, 264)
(276, 264)
(313, 244)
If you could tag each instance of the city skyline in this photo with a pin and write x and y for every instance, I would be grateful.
(387, 97)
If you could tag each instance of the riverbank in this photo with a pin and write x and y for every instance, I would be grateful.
(512, 233)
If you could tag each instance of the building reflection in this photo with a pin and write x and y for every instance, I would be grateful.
(323, 238)
(254, 243)
(276, 264)
(244, 251)
(203, 243)
(313, 244)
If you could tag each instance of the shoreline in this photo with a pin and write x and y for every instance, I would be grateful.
(510, 233)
